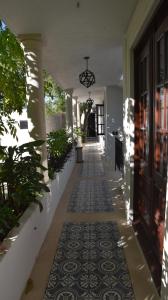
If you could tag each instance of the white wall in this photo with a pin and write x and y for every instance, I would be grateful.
(114, 119)
(24, 242)
(22, 134)
(55, 122)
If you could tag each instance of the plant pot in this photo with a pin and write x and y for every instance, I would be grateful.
(79, 154)
(83, 139)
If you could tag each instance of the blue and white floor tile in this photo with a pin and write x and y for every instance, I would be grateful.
(91, 196)
(90, 169)
(89, 264)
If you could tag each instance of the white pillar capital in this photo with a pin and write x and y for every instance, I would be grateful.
(76, 98)
(30, 36)
(31, 41)
(69, 92)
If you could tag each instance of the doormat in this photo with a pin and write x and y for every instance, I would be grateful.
(89, 264)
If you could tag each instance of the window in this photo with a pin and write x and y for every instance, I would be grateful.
(23, 124)
(100, 119)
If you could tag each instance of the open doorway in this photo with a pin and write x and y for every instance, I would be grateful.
(91, 129)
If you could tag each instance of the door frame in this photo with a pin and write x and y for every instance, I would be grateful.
(149, 36)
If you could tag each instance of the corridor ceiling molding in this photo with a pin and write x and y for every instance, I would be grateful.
(69, 31)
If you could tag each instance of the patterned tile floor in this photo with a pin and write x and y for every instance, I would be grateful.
(91, 196)
(92, 193)
(83, 256)
(89, 264)
(90, 169)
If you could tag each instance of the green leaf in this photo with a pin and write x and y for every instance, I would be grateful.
(37, 143)
(12, 79)
(54, 96)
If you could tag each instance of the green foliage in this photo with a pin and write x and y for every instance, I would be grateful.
(85, 108)
(59, 145)
(12, 71)
(7, 124)
(54, 96)
(57, 142)
(20, 178)
(12, 79)
(8, 220)
(79, 133)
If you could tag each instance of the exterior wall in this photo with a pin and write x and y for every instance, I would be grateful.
(22, 134)
(114, 117)
(139, 21)
(55, 122)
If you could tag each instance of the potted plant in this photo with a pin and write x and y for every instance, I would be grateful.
(79, 136)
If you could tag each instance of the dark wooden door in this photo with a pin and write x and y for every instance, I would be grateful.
(91, 129)
(160, 131)
(151, 144)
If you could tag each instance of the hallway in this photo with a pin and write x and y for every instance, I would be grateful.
(90, 252)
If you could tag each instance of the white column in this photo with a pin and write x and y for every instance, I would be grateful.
(78, 114)
(32, 44)
(114, 119)
(76, 117)
(69, 116)
(75, 99)
(78, 120)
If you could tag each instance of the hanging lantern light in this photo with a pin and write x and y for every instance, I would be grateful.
(89, 101)
(87, 78)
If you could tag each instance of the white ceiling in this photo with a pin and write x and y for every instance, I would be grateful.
(96, 28)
